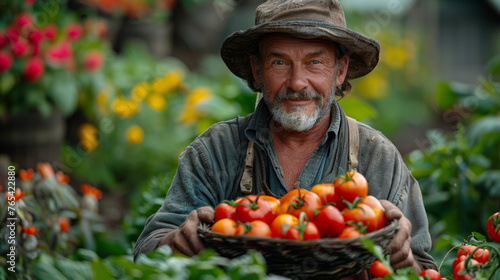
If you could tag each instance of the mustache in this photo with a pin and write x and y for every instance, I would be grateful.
(302, 94)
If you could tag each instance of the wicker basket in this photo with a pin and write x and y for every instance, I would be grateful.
(330, 258)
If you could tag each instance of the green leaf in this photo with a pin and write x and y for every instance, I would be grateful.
(445, 96)
(357, 109)
(64, 93)
(493, 65)
(44, 269)
(485, 125)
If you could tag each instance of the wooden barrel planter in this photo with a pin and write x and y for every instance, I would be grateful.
(30, 138)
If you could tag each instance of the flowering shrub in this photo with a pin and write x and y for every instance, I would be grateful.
(51, 217)
(48, 59)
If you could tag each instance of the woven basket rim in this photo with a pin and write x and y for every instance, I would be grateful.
(204, 229)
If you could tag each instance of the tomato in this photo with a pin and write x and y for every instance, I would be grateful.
(326, 192)
(348, 187)
(374, 203)
(281, 224)
(433, 274)
(460, 267)
(350, 232)
(228, 226)
(330, 222)
(378, 269)
(273, 201)
(493, 227)
(361, 213)
(227, 209)
(305, 230)
(300, 200)
(253, 208)
(465, 250)
(482, 255)
(457, 260)
(257, 228)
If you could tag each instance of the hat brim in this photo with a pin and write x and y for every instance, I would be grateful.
(363, 51)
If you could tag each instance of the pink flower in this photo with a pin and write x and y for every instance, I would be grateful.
(12, 33)
(92, 60)
(33, 69)
(74, 31)
(5, 61)
(51, 31)
(58, 53)
(23, 19)
(20, 47)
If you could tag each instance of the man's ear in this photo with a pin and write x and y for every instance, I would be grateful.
(255, 64)
(342, 66)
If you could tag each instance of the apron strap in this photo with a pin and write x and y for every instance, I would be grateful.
(353, 143)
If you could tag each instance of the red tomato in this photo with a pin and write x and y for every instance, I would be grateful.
(482, 255)
(457, 271)
(257, 228)
(252, 208)
(361, 213)
(281, 224)
(456, 261)
(227, 226)
(300, 200)
(330, 222)
(305, 230)
(350, 232)
(493, 227)
(273, 202)
(465, 250)
(378, 269)
(374, 203)
(227, 209)
(348, 187)
(433, 274)
(326, 192)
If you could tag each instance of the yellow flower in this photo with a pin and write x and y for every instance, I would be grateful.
(170, 81)
(373, 86)
(140, 91)
(87, 133)
(100, 101)
(124, 108)
(135, 134)
(157, 102)
(198, 95)
(188, 115)
(394, 56)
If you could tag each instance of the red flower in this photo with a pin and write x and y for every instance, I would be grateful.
(87, 189)
(26, 175)
(23, 19)
(74, 31)
(4, 39)
(33, 69)
(12, 33)
(92, 60)
(31, 230)
(64, 224)
(35, 36)
(5, 61)
(63, 179)
(51, 31)
(20, 47)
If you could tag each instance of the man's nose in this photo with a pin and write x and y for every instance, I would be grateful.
(297, 80)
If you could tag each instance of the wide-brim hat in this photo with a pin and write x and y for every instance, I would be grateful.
(305, 19)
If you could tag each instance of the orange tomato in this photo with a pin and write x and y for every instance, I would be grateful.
(281, 224)
(326, 192)
(257, 228)
(300, 200)
(273, 202)
(348, 187)
(228, 226)
(350, 232)
(374, 203)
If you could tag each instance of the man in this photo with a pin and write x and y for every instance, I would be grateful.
(300, 56)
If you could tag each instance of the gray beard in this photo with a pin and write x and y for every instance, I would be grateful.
(296, 120)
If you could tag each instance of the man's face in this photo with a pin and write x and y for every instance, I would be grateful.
(298, 79)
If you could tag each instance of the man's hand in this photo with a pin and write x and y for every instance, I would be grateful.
(399, 248)
(185, 239)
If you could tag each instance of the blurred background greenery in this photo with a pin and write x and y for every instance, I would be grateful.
(122, 87)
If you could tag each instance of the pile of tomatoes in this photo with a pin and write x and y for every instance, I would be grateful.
(339, 210)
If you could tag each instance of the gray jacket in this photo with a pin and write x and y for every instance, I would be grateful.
(210, 171)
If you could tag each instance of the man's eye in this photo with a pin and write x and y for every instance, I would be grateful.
(279, 62)
(315, 62)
